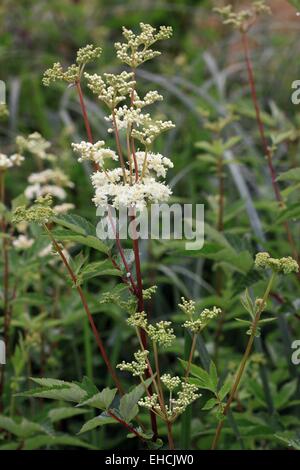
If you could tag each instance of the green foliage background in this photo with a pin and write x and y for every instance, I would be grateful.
(201, 67)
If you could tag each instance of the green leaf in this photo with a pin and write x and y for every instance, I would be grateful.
(290, 175)
(290, 213)
(213, 373)
(225, 389)
(248, 304)
(58, 414)
(98, 268)
(128, 404)
(21, 427)
(87, 240)
(76, 224)
(209, 404)
(38, 442)
(56, 390)
(97, 422)
(101, 400)
(289, 439)
(203, 378)
(285, 394)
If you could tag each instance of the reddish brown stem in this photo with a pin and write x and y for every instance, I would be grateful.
(87, 310)
(5, 286)
(119, 148)
(141, 308)
(84, 113)
(126, 425)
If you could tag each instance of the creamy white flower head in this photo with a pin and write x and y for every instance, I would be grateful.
(22, 242)
(137, 195)
(150, 98)
(17, 159)
(35, 191)
(153, 162)
(63, 208)
(55, 176)
(99, 178)
(5, 162)
(45, 251)
(111, 88)
(94, 152)
(34, 144)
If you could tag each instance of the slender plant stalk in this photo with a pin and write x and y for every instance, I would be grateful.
(87, 310)
(84, 112)
(243, 362)
(88, 349)
(170, 436)
(126, 425)
(265, 146)
(190, 359)
(6, 312)
(186, 419)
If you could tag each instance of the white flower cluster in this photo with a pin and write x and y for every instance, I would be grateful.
(63, 208)
(120, 195)
(160, 332)
(149, 98)
(50, 181)
(148, 161)
(185, 396)
(146, 129)
(170, 382)
(137, 367)
(94, 152)
(50, 176)
(22, 242)
(196, 325)
(137, 48)
(36, 145)
(111, 89)
(8, 162)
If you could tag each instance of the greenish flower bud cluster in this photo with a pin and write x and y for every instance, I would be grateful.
(137, 367)
(148, 293)
(137, 48)
(185, 396)
(243, 19)
(73, 73)
(196, 325)
(170, 382)
(36, 145)
(285, 265)
(110, 88)
(159, 333)
(40, 213)
(88, 54)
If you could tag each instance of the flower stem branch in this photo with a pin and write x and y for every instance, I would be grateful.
(243, 362)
